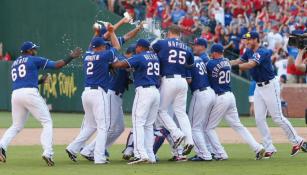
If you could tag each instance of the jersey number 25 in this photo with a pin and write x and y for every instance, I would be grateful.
(174, 53)
(19, 72)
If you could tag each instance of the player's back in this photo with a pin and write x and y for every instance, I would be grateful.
(146, 65)
(174, 56)
(219, 72)
(96, 68)
(199, 74)
(24, 71)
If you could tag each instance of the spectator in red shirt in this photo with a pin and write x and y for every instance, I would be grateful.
(188, 26)
(206, 34)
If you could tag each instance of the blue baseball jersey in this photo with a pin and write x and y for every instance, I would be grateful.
(219, 72)
(174, 56)
(120, 81)
(24, 70)
(199, 74)
(146, 69)
(96, 68)
(204, 56)
(264, 70)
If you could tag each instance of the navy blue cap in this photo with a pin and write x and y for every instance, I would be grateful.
(27, 46)
(131, 49)
(217, 48)
(143, 43)
(200, 41)
(103, 30)
(97, 41)
(251, 35)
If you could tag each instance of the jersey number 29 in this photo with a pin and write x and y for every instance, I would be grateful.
(19, 72)
(224, 77)
(153, 69)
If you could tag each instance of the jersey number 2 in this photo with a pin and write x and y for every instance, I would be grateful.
(89, 69)
(20, 73)
(224, 77)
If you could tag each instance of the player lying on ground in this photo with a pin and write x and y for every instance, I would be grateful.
(26, 98)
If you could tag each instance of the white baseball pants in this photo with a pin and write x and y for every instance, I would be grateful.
(200, 107)
(96, 107)
(267, 98)
(116, 126)
(174, 92)
(144, 113)
(27, 100)
(225, 107)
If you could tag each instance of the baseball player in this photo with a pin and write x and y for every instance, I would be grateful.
(146, 102)
(257, 59)
(117, 85)
(202, 100)
(94, 98)
(174, 58)
(26, 98)
(218, 70)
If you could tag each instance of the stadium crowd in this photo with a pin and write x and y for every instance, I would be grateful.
(226, 21)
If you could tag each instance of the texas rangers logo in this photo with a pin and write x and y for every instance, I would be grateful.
(256, 56)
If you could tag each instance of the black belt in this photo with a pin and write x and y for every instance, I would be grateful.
(119, 94)
(263, 83)
(97, 87)
(147, 86)
(173, 76)
(201, 89)
(222, 93)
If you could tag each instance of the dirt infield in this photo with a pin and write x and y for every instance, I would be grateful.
(64, 136)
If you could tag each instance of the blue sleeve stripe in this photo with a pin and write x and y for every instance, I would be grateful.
(255, 61)
(243, 59)
(128, 63)
(45, 64)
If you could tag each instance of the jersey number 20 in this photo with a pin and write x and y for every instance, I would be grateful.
(19, 72)
(173, 54)
(224, 77)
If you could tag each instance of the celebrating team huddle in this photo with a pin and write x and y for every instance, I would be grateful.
(162, 73)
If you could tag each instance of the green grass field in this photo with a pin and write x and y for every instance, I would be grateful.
(74, 120)
(26, 160)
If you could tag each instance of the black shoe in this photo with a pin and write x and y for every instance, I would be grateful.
(187, 149)
(260, 154)
(137, 161)
(48, 160)
(72, 156)
(304, 147)
(178, 159)
(89, 158)
(2, 155)
(197, 158)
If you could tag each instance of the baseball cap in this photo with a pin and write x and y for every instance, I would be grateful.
(143, 43)
(131, 49)
(251, 35)
(97, 41)
(27, 46)
(217, 48)
(200, 41)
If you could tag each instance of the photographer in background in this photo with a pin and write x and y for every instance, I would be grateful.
(301, 62)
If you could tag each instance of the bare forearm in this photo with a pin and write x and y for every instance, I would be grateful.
(132, 33)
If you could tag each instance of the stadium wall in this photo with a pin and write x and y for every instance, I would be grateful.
(58, 27)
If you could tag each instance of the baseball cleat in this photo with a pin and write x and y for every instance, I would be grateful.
(178, 142)
(178, 159)
(296, 148)
(72, 156)
(187, 149)
(127, 156)
(48, 160)
(260, 154)
(268, 155)
(304, 147)
(89, 158)
(220, 158)
(196, 158)
(137, 161)
(2, 155)
(103, 163)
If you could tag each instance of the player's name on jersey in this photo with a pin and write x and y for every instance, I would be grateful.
(150, 57)
(220, 65)
(177, 44)
(91, 58)
(20, 61)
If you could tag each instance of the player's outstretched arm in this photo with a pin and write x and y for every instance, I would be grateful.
(299, 64)
(236, 62)
(246, 66)
(120, 64)
(113, 37)
(77, 52)
(133, 32)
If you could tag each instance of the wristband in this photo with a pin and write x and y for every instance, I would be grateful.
(235, 66)
(305, 68)
(67, 60)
